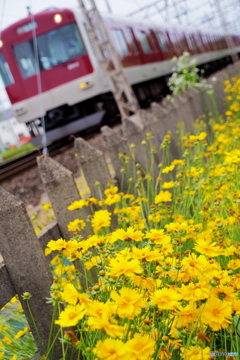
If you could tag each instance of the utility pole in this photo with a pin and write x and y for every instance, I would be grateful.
(228, 37)
(107, 56)
(108, 6)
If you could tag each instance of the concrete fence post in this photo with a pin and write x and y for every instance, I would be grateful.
(135, 132)
(168, 122)
(94, 166)
(230, 70)
(184, 109)
(218, 87)
(62, 191)
(27, 268)
(152, 125)
(116, 144)
(196, 102)
(7, 289)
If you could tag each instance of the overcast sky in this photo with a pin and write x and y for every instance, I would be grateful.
(16, 9)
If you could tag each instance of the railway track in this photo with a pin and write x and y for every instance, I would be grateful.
(15, 166)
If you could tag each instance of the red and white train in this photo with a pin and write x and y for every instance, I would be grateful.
(67, 81)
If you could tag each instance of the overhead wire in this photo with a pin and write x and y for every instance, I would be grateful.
(39, 84)
(1, 22)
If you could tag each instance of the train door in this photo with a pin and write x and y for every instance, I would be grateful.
(198, 42)
(125, 45)
(175, 43)
(164, 44)
(148, 52)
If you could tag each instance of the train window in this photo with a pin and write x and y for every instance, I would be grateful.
(190, 41)
(198, 40)
(59, 46)
(162, 41)
(132, 40)
(25, 57)
(120, 42)
(142, 37)
(175, 42)
(54, 48)
(5, 71)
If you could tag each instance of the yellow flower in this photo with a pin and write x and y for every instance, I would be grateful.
(14, 357)
(202, 136)
(187, 315)
(103, 323)
(91, 241)
(166, 299)
(195, 292)
(163, 196)
(122, 266)
(177, 226)
(141, 347)
(167, 169)
(46, 206)
(147, 254)
(158, 236)
(143, 282)
(54, 245)
(110, 191)
(111, 349)
(6, 340)
(99, 309)
(164, 354)
(112, 199)
(178, 162)
(207, 248)
(21, 333)
(94, 261)
(101, 219)
(216, 313)
(76, 224)
(195, 353)
(224, 293)
(129, 234)
(77, 204)
(71, 315)
(70, 294)
(129, 302)
(194, 265)
(168, 185)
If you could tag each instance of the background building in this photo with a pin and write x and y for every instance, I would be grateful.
(12, 133)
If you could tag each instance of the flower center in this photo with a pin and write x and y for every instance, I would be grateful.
(72, 315)
(216, 312)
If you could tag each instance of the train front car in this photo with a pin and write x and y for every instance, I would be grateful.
(49, 70)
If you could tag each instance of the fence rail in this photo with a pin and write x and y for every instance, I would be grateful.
(25, 268)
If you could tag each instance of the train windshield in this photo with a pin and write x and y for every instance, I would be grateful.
(54, 48)
(5, 71)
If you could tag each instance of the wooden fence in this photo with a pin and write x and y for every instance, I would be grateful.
(25, 268)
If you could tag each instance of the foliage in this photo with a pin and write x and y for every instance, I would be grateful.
(11, 154)
(161, 266)
(186, 74)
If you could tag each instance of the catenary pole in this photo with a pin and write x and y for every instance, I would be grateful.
(107, 56)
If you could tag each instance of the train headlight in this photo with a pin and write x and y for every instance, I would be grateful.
(83, 85)
(57, 18)
(1, 43)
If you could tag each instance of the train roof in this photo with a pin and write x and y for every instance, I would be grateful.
(110, 18)
(151, 23)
